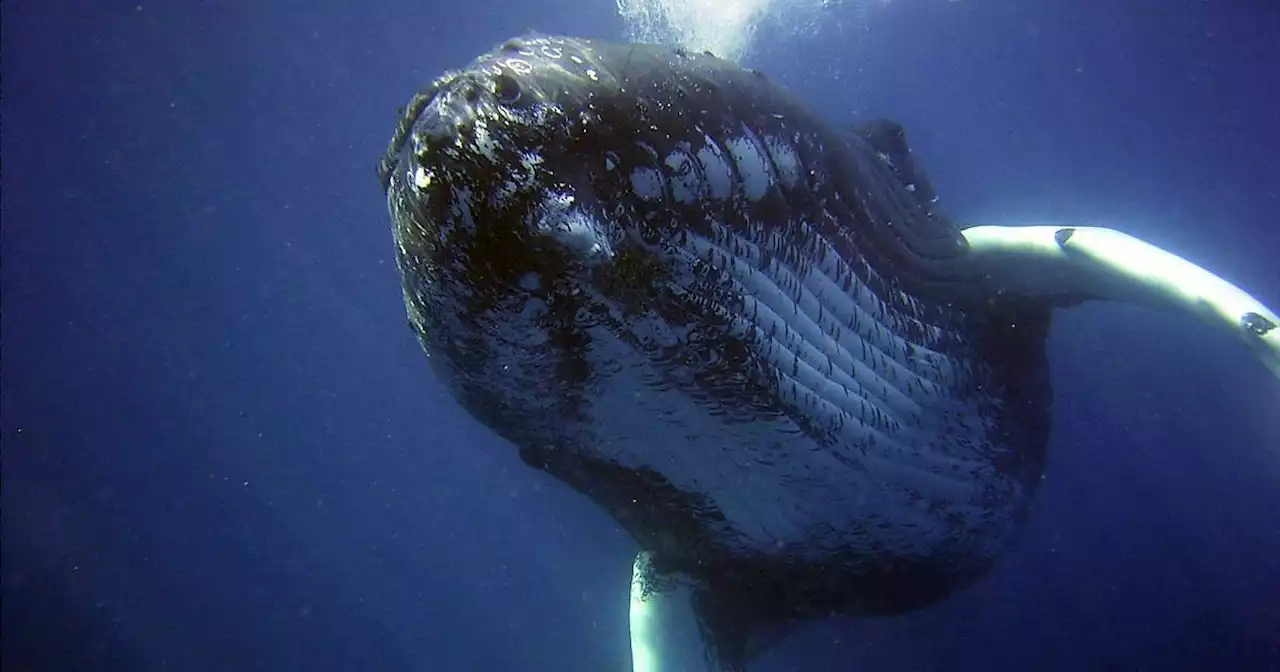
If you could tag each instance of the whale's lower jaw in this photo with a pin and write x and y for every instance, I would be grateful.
(763, 504)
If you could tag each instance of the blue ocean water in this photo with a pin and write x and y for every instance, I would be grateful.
(223, 449)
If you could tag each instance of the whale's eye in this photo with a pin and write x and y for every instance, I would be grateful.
(506, 88)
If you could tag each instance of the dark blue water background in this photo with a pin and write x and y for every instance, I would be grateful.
(223, 449)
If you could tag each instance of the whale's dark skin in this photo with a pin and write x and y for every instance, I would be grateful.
(746, 334)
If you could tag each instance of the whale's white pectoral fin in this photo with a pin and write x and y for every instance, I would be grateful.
(1093, 262)
(665, 636)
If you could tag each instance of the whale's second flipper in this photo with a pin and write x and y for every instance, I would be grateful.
(682, 624)
(665, 635)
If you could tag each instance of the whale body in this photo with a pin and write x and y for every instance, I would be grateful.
(750, 336)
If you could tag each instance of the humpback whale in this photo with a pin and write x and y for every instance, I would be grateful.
(750, 336)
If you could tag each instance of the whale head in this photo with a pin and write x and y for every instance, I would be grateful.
(547, 189)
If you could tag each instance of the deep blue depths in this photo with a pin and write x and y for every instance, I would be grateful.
(223, 450)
